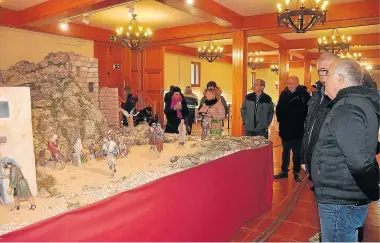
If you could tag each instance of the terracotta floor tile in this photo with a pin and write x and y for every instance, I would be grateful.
(297, 216)
(253, 223)
(286, 230)
(304, 233)
(277, 239)
(312, 220)
(371, 233)
(372, 219)
(253, 236)
(264, 224)
(241, 235)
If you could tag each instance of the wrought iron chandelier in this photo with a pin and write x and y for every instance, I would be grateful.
(274, 69)
(135, 36)
(366, 66)
(357, 56)
(302, 18)
(255, 63)
(334, 43)
(210, 51)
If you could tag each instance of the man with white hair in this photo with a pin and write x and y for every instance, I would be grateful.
(343, 165)
(317, 109)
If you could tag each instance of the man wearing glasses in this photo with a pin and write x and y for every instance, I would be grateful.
(317, 109)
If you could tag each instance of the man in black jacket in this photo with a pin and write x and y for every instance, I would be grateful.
(344, 167)
(317, 109)
(257, 111)
(291, 113)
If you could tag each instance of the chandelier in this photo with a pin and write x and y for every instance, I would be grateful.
(135, 36)
(356, 56)
(334, 43)
(301, 19)
(210, 51)
(366, 66)
(274, 69)
(255, 63)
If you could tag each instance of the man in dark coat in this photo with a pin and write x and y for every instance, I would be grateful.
(291, 112)
(192, 103)
(175, 110)
(343, 165)
(257, 111)
(317, 109)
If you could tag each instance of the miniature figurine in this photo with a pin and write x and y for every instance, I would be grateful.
(53, 147)
(111, 151)
(122, 148)
(78, 156)
(152, 136)
(182, 132)
(17, 183)
(159, 138)
(129, 116)
(205, 128)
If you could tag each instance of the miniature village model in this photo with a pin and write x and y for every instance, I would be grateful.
(78, 156)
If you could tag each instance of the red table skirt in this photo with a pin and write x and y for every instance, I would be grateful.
(209, 202)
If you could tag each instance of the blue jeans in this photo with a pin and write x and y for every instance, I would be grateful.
(340, 222)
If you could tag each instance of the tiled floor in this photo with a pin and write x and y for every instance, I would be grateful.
(303, 221)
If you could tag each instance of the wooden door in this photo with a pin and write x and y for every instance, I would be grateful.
(110, 70)
(153, 77)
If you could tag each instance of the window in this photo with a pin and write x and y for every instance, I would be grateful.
(253, 78)
(4, 109)
(195, 74)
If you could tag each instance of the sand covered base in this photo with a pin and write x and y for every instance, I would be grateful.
(77, 187)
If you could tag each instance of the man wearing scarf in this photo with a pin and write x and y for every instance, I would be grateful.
(175, 110)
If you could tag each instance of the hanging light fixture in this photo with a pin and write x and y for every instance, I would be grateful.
(357, 56)
(366, 66)
(334, 42)
(274, 69)
(210, 51)
(255, 63)
(135, 36)
(302, 18)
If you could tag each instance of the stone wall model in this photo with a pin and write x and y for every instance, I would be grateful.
(85, 70)
(109, 105)
(60, 103)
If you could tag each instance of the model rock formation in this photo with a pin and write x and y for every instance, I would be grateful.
(59, 105)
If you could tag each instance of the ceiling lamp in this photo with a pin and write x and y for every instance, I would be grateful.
(210, 51)
(274, 69)
(334, 43)
(255, 63)
(301, 19)
(356, 56)
(366, 66)
(135, 36)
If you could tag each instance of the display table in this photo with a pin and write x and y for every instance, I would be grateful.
(209, 202)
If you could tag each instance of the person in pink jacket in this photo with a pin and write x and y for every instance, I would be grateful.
(213, 112)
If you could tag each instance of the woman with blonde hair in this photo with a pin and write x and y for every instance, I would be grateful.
(213, 112)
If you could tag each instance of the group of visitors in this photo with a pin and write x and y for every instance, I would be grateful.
(212, 108)
(334, 133)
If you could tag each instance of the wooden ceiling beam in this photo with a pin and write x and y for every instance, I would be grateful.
(252, 47)
(365, 39)
(208, 10)
(374, 53)
(52, 11)
(9, 17)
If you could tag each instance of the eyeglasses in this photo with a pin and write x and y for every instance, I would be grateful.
(323, 72)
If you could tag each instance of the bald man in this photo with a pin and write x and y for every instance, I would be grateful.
(291, 112)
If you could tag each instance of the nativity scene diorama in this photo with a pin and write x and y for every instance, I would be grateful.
(63, 152)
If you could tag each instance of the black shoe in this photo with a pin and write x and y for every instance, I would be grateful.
(16, 207)
(32, 207)
(297, 177)
(281, 175)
